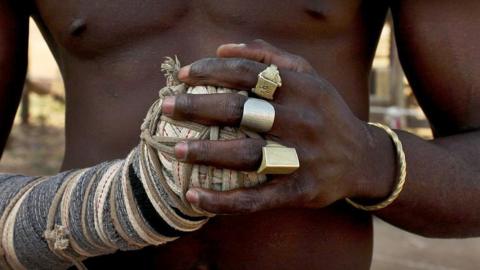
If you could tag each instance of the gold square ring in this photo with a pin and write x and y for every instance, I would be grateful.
(278, 159)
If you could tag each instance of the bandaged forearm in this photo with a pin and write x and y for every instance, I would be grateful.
(58, 221)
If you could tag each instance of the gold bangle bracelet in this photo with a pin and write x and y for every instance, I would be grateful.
(402, 173)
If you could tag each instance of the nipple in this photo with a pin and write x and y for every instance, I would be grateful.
(77, 27)
(316, 9)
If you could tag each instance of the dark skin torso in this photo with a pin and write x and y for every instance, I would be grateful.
(110, 54)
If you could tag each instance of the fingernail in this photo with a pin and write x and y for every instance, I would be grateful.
(168, 105)
(192, 197)
(234, 45)
(238, 45)
(181, 151)
(184, 72)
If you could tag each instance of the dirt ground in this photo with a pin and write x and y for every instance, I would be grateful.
(395, 249)
(38, 149)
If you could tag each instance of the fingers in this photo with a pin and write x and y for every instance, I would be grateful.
(211, 110)
(262, 51)
(233, 73)
(276, 194)
(223, 110)
(242, 74)
(241, 154)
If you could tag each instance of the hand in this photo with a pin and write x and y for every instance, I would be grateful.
(310, 116)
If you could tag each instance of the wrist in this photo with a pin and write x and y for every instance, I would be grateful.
(377, 166)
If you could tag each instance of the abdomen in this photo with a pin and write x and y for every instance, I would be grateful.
(332, 238)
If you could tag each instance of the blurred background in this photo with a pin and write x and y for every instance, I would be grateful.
(36, 146)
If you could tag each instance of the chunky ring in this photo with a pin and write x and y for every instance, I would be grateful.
(267, 83)
(258, 115)
(278, 159)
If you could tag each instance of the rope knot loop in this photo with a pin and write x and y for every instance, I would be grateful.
(58, 237)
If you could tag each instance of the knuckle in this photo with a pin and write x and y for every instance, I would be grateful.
(190, 106)
(326, 86)
(211, 203)
(183, 105)
(247, 203)
(245, 71)
(241, 65)
(199, 151)
(246, 162)
(299, 60)
(233, 107)
(318, 91)
(303, 192)
(302, 64)
(200, 69)
(251, 155)
(259, 42)
(309, 122)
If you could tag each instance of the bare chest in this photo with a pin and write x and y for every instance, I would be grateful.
(92, 26)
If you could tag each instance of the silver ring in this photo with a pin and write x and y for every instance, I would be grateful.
(258, 115)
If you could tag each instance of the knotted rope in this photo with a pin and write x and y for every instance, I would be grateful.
(58, 221)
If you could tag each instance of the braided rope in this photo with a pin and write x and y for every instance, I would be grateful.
(58, 221)
(402, 173)
(5, 247)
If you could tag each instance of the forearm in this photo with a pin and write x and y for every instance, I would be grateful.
(13, 63)
(10, 94)
(52, 222)
(123, 204)
(441, 193)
